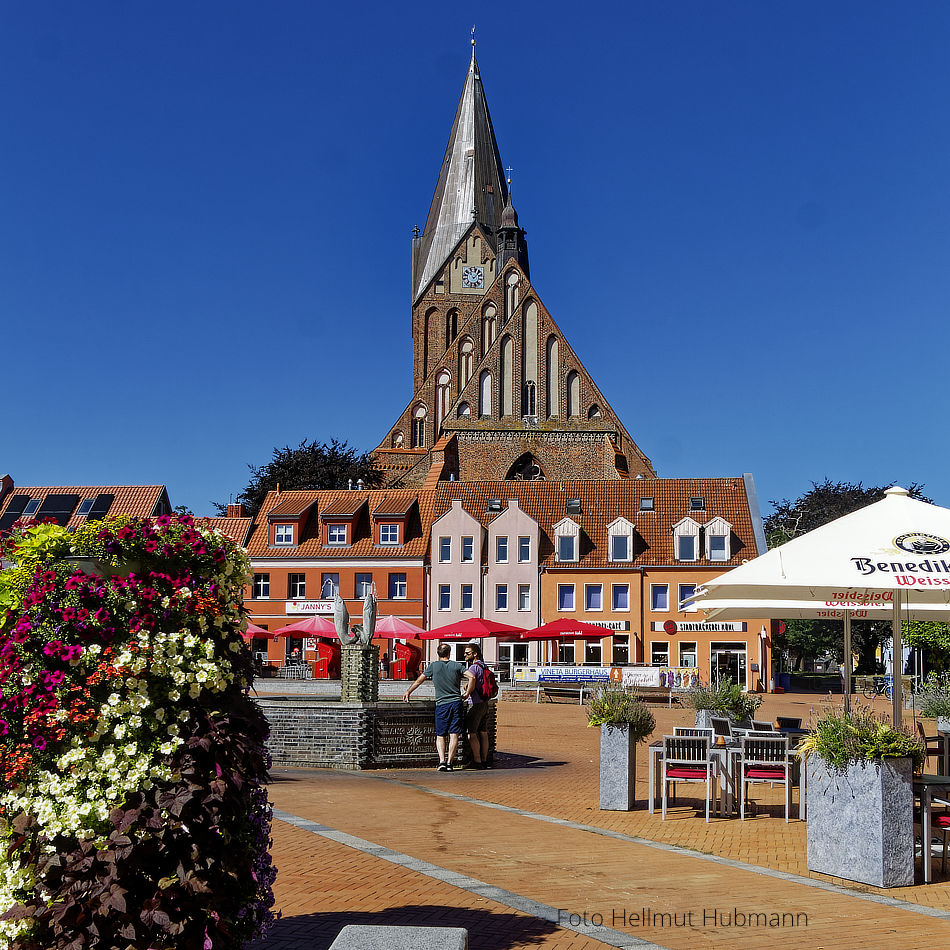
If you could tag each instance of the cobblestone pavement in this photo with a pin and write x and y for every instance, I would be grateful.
(522, 857)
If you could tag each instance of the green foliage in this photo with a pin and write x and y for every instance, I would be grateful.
(726, 697)
(310, 465)
(612, 705)
(933, 700)
(859, 736)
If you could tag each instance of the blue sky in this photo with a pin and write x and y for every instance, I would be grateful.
(737, 212)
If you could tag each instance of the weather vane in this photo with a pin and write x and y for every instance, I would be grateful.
(473, 37)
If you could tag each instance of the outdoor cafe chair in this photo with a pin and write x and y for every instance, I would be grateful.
(687, 759)
(765, 759)
(721, 727)
(939, 825)
(932, 744)
(788, 722)
(692, 731)
(760, 726)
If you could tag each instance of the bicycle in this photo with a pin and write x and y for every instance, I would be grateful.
(878, 686)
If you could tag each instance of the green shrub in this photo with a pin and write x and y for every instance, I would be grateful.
(933, 700)
(726, 697)
(859, 736)
(612, 705)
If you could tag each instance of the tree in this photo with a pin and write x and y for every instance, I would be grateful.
(933, 636)
(310, 465)
(807, 639)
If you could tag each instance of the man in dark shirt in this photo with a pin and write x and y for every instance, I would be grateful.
(446, 676)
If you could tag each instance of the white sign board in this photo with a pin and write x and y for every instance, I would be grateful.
(640, 676)
(309, 606)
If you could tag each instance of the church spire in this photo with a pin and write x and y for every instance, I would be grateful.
(471, 184)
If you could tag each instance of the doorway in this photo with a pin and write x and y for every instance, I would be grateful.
(511, 655)
(728, 661)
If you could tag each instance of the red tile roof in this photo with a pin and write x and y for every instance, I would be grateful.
(346, 506)
(416, 545)
(235, 528)
(136, 501)
(291, 505)
(602, 502)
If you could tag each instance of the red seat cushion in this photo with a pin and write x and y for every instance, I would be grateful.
(940, 821)
(772, 775)
(685, 772)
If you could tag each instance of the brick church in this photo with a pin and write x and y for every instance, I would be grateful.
(498, 392)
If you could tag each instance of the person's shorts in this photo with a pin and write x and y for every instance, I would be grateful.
(476, 717)
(448, 719)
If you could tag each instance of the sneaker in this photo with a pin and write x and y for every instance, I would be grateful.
(449, 767)
(443, 767)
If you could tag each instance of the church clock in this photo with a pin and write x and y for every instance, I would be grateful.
(473, 277)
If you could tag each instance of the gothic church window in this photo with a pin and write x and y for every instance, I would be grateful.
(464, 410)
(419, 427)
(451, 327)
(573, 393)
(484, 394)
(441, 396)
(398, 439)
(593, 412)
(466, 361)
(488, 326)
(526, 468)
(506, 380)
(530, 399)
(512, 294)
(551, 375)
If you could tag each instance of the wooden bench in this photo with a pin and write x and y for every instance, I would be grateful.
(650, 694)
(550, 690)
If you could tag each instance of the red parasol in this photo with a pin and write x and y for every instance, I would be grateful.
(309, 627)
(397, 627)
(567, 629)
(472, 629)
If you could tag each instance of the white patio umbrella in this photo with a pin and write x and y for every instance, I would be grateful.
(890, 557)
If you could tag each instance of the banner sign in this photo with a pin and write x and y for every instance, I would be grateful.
(638, 675)
(561, 674)
(610, 624)
(309, 607)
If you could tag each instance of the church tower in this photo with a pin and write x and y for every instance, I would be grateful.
(498, 393)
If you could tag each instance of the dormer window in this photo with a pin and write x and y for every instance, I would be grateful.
(283, 534)
(389, 533)
(620, 540)
(336, 534)
(718, 538)
(567, 540)
(686, 540)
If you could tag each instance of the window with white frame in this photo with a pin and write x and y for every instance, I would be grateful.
(524, 596)
(593, 597)
(567, 540)
(718, 535)
(659, 654)
(501, 597)
(283, 534)
(466, 597)
(620, 537)
(620, 596)
(659, 597)
(296, 586)
(445, 550)
(565, 596)
(329, 585)
(501, 549)
(336, 534)
(524, 550)
(686, 540)
(687, 590)
(445, 597)
(261, 587)
(468, 550)
(688, 654)
(397, 586)
(389, 534)
(364, 584)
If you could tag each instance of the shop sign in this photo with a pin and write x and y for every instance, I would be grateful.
(610, 624)
(708, 626)
(561, 674)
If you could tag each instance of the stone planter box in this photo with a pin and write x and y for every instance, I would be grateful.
(860, 823)
(943, 723)
(618, 768)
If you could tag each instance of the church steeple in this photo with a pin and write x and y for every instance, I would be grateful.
(471, 184)
(511, 240)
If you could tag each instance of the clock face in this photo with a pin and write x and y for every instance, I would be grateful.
(473, 277)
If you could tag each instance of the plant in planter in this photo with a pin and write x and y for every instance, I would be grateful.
(933, 700)
(725, 700)
(860, 798)
(133, 804)
(624, 721)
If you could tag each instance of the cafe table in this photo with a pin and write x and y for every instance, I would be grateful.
(720, 755)
(924, 787)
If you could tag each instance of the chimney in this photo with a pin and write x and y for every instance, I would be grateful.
(236, 511)
(6, 486)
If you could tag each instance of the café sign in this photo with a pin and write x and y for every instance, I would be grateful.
(309, 607)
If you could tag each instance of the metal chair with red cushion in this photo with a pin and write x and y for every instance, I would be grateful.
(687, 759)
(932, 744)
(765, 759)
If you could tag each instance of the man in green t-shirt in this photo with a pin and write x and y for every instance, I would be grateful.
(446, 676)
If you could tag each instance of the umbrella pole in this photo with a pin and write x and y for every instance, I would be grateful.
(847, 662)
(897, 663)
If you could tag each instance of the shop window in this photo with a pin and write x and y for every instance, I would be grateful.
(659, 654)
